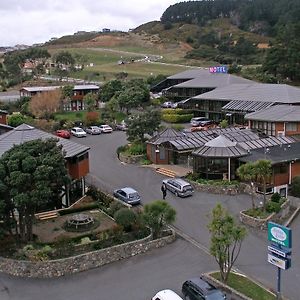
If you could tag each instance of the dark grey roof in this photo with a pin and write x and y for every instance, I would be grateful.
(189, 74)
(220, 147)
(260, 92)
(277, 113)
(246, 106)
(276, 154)
(191, 140)
(212, 80)
(267, 142)
(232, 151)
(25, 133)
(168, 134)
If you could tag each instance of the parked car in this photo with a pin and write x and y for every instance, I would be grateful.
(204, 128)
(166, 295)
(63, 133)
(198, 288)
(105, 129)
(200, 121)
(128, 195)
(168, 104)
(179, 187)
(93, 130)
(122, 127)
(78, 132)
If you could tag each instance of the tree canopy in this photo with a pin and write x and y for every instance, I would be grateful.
(143, 123)
(32, 176)
(226, 240)
(158, 214)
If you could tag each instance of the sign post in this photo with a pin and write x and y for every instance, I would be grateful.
(280, 250)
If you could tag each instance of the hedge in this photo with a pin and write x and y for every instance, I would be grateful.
(176, 111)
(176, 118)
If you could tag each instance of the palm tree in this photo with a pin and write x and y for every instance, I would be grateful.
(263, 170)
(247, 172)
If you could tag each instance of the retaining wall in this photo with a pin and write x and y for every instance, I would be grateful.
(262, 223)
(70, 265)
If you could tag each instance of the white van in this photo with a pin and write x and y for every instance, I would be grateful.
(166, 295)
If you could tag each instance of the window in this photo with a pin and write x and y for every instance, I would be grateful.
(291, 126)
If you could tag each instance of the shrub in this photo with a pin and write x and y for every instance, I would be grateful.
(295, 187)
(178, 127)
(99, 196)
(176, 111)
(91, 118)
(126, 218)
(121, 149)
(114, 207)
(174, 118)
(272, 207)
(276, 197)
(137, 149)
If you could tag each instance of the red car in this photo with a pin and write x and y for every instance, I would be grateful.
(63, 134)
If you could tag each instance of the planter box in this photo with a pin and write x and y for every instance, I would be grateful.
(263, 223)
(131, 159)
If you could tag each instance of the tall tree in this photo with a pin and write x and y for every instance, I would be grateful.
(90, 101)
(247, 172)
(157, 215)
(226, 240)
(44, 105)
(33, 174)
(141, 124)
(67, 92)
(64, 63)
(110, 89)
(263, 170)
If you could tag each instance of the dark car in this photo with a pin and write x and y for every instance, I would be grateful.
(199, 289)
(200, 121)
(128, 195)
(63, 134)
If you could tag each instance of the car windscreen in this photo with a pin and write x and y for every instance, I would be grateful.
(215, 295)
(187, 188)
(133, 196)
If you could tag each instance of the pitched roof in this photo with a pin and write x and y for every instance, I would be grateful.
(212, 80)
(277, 113)
(259, 92)
(25, 133)
(246, 106)
(276, 154)
(221, 142)
(221, 147)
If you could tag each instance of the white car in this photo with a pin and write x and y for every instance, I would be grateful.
(78, 132)
(105, 129)
(167, 295)
(93, 130)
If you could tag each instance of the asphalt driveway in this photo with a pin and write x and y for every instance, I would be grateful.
(109, 173)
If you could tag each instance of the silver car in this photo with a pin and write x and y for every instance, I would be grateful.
(179, 187)
(128, 195)
(93, 130)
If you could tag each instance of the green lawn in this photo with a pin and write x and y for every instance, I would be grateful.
(70, 116)
(106, 64)
(246, 286)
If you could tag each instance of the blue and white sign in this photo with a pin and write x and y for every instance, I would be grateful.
(280, 262)
(279, 251)
(218, 69)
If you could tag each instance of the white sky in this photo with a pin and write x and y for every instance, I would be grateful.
(36, 21)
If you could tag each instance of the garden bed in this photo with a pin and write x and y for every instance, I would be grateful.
(241, 286)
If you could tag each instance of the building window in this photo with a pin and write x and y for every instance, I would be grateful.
(291, 126)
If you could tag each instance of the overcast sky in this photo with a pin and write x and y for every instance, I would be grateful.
(36, 21)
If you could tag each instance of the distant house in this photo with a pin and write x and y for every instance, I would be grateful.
(76, 103)
(105, 30)
(76, 156)
(3, 122)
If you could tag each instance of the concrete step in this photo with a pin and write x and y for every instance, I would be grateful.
(166, 172)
